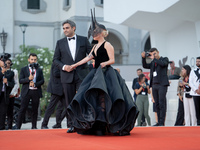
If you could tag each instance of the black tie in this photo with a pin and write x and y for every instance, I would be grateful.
(73, 38)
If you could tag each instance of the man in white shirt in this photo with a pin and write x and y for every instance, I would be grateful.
(31, 77)
(194, 82)
(70, 50)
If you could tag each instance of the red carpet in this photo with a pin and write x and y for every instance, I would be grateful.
(155, 138)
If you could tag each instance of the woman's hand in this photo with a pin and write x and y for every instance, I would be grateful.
(181, 98)
(152, 100)
(103, 64)
(73, 66)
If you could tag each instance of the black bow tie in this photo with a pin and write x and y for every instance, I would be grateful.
(73, 38)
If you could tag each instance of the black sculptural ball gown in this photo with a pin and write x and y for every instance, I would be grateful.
(103, 103)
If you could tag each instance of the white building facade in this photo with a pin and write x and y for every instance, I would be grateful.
(44, 19)
(174, 25)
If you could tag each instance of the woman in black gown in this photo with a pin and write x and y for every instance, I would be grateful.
(103, 103)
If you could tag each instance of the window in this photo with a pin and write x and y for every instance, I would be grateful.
(33, 4)
(98, 3)
(67, 4)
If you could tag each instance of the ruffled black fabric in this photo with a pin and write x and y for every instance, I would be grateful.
(120, 111)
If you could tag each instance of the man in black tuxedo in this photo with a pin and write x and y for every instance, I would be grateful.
(31, 78)
(6, 85)
(158, 81)
(57, 95)
(70, 50)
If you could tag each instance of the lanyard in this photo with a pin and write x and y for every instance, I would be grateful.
(142, 88)
(173, 71)
(186, 80)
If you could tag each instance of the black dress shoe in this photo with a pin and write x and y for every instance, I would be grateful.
(161, 125)
(71, 130)
(56, 126)
(44, 127)
(33, 128)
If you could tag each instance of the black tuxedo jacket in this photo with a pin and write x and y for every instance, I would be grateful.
(8, 88)
(55, 86)
(24, 80)
(161, 69)
(62, 56)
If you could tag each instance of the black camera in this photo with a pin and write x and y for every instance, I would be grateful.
(5, 57)
(147, 54)
(34, 65)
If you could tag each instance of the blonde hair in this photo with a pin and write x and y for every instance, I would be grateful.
(105, 33)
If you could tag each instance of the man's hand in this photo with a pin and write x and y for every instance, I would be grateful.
(3, 70)
(68, 68)
(31, 84)
(1, 63)
(5, 80)
(31, 77)
(151, 56)
(143, 54)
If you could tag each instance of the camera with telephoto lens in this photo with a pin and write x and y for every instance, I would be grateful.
(147, 54)
(4, 58)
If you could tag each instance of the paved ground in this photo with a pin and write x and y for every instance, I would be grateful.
(52, 121)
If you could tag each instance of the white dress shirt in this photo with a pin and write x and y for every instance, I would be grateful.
(194, 83)
(72, 47)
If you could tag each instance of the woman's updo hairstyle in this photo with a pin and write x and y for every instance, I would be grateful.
(105, 31)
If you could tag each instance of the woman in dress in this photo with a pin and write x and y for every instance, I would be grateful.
(142, 90)
(103, 103)
(188, 102)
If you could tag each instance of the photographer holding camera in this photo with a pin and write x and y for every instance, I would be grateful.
(158, 81)
(13, 94)
(31, 78)
(6, 85)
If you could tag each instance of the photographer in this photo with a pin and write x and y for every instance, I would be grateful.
(142, 102)
(31, 78)
(6, 85)
(14, 93)
(174, 72)
(158, 81)
(188, 102)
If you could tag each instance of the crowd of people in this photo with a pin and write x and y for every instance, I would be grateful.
(97, 100)
(188, 90)
(90, 100)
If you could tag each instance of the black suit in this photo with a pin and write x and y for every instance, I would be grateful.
(57, 95)
(27, 94)
(159, 84)
(4, 96)
(71, 80)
